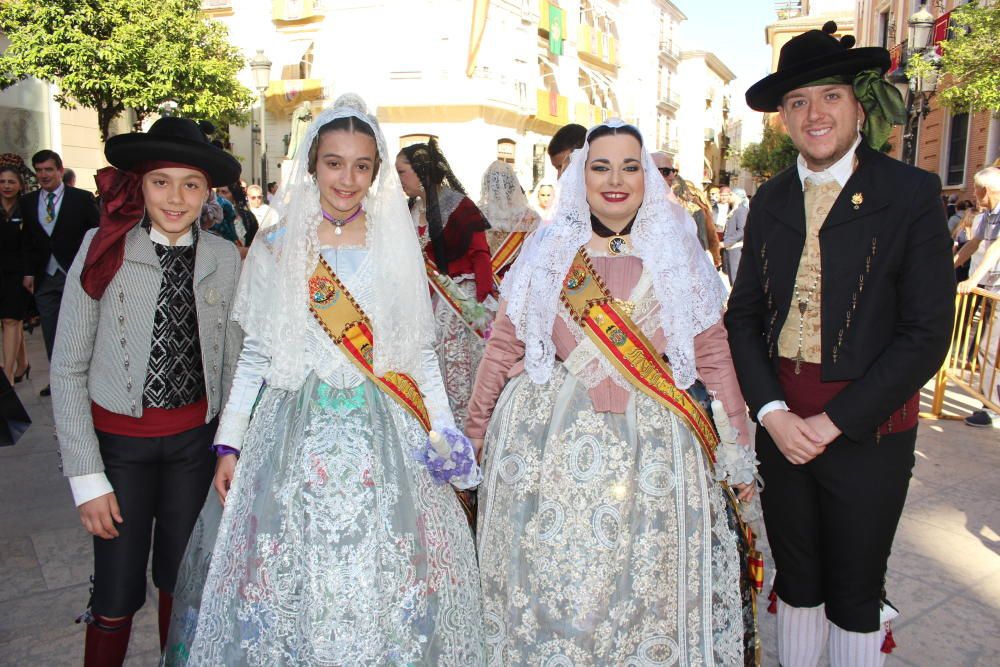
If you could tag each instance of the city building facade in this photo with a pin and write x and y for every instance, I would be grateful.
(953, 144)
(703, 117)
(797, 16)
(529, 67)
(30, 120)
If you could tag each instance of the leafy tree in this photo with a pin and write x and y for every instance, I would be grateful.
(970, 58)
(110, 55)
(774, 153)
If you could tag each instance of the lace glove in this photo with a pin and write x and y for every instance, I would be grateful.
(450, 458)
(734, 463)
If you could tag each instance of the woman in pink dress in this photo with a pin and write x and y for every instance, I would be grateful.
(606, 533)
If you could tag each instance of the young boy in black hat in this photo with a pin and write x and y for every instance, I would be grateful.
(842, 309)
(142, 361)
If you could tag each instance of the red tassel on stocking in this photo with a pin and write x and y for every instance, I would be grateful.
(888, 643)
(772, 608)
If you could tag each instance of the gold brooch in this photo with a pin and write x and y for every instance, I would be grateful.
(857, 199)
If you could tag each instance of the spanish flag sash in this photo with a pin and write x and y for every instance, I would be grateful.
(608, 324)
(506, 254)
(610, 327)
(443, 286)
(349, 328)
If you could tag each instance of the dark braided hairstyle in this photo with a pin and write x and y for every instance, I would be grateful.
(433, 170)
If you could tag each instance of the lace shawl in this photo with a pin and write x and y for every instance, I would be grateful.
(503, 202)
(400, 310)
(689, 293)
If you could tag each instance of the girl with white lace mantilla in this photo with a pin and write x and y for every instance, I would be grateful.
(605, 536)
(340, 541)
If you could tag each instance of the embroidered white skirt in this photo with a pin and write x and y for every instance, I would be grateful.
(602, 538)
(335, 546)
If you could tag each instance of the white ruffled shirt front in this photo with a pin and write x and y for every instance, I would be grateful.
(355, 269)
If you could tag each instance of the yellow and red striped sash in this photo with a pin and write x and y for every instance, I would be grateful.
(436, 280)
(609, 326)
(506, 254)
(350, 329)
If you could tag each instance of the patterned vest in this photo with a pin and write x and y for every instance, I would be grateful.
(175, 376)
(800, 335)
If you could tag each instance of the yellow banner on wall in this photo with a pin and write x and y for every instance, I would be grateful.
(284, 95)
(479, 11)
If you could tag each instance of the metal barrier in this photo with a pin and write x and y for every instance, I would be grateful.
(972, 358)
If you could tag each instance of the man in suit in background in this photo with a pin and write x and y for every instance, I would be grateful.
(55, 219)
(842, 310)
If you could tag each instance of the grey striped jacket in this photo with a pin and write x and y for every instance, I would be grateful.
(102, 347)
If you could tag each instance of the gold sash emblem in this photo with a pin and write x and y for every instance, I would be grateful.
(350, 329)
(608, 324)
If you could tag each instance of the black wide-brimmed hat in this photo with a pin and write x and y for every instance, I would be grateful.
(173, 139)
(811, 56)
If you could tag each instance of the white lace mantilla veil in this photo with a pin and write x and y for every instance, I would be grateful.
(401, 317)
(689, 292)
(503, 202)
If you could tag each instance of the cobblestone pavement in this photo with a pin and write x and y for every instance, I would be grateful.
(944, 574)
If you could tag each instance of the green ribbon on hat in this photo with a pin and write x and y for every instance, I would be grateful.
(880, 99)
(882, 103)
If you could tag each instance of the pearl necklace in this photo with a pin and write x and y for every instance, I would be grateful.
(337, 224)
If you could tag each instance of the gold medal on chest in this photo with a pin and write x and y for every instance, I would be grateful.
(617, 240)
(617, 245)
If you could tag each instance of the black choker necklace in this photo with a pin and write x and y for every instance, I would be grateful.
(617, 244)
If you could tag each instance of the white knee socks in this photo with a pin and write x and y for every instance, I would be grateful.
(802, 635)
(856, 649)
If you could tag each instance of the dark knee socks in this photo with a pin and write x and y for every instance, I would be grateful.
(107, 642)
(166, 605)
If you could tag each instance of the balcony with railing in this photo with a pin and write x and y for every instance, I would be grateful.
(670, 146)
(669, 101)
(596, 46)
(296, 10)
(669, 51)
(217, 7)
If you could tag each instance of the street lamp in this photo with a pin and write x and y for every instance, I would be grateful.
(168, 108)
(921, 25)
(261, 68)
(918, 91)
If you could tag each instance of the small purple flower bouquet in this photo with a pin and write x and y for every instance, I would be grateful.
(450, 458)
